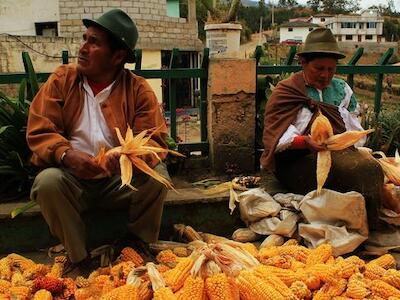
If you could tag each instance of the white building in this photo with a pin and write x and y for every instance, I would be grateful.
(295, 32)
(367, 27)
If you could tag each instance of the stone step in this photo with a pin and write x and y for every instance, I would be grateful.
(206, 213)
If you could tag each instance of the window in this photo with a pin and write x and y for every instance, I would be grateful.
(371, 25)
(361, 25)
(368, 37)
(322, 19)
(348, 25)
(349, 37)
(290, 29)
(46, 29)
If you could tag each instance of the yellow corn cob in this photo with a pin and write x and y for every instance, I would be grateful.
(330, 260)
(128, 292)
(386, 261)
(350, 265)
(4, 296)
(250, 247)
(42, 295)
(161, 292)
(234, 289)
(57, 269)
(392, 277)
(129, 254)
(164, 294)
(299, 253)
(300, 290)
(319, 255)
(36, 271)
(180, 251)
(85, 294)
(296, 265)
(20, 262)
(324, 272)
(20, 292)
(121, 270)
(252, 288)
(287, 276)
(145, 291)
(373, 271)
(218, 287)
(5, 269)
(277, 284)
(393, 298)
(321, 129)
(18, 279)
(345, 139)
(166, 257)
(280, 261)
(108, 286)
(290, 242)
(82, 282)
(69, 288)
(193, 288)
(4, 286)
(176, 277)
(331, 289)
(382, 289)
(356, 287)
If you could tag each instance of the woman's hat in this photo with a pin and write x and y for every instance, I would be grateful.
(119, 25)
(321, 40)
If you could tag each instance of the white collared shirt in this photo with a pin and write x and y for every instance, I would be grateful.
(91, 132)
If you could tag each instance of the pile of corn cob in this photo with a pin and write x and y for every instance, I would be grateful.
(219, 270)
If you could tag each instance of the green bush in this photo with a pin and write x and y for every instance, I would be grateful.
(16, 172)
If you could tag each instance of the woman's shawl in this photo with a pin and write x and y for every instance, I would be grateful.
(281, 110)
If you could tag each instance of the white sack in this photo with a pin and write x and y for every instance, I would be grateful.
(256, 204)
(338, 218)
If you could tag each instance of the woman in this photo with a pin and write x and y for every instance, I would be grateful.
(289, 151)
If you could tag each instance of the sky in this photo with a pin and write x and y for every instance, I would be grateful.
(367, 3)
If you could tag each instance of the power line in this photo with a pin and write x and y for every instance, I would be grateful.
(34, 50)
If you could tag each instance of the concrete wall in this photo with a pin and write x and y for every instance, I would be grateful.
(156, 29)
(19, 17)
(231, 113)
(370, 47)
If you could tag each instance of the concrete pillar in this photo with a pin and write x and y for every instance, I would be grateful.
(192, 11)
(231, 113)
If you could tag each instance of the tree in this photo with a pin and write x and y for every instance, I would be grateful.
(287, 3)
(334, 6)
(391, 29)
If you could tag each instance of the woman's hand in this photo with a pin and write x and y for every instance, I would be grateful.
(313, 146)
(81, 164)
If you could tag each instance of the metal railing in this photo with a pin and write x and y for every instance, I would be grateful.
(171, 74)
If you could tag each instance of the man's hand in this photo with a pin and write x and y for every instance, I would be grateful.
(313, 146)
(81, 164)
(112, 163)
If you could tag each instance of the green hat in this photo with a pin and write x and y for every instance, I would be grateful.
(321, 40)
(121, 26)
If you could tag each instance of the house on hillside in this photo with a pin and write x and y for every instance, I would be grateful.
(48, 27)
(366, 27)
(292, 33)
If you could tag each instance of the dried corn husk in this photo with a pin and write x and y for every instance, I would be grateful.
(345, 139)
(322, 134)
(272, 240)
(132, 149)
(390, 166)
(244, 235)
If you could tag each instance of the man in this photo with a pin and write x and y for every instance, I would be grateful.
(73, 116)
(290, 152)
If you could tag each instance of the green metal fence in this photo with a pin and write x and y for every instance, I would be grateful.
(171, 74)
